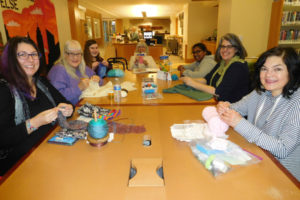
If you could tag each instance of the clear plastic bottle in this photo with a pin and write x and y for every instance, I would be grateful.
(117, 91)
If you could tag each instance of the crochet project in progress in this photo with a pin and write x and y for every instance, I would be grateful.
(78, 128)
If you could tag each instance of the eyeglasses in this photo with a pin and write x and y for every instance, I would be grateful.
(227, 47)
(199, 51)
(74, 54)
(24, 55)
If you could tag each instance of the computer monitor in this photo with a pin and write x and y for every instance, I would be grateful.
(148, 35)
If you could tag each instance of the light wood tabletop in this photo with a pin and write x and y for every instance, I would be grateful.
(135, 97)
(85, 172)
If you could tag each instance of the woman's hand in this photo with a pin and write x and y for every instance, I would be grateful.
(44, 118)
(95, 78)
(66, 109)
(188, 81)
(145, 62)
(105, 63)
(83, 83)
(222, 107)
(95, 65)
(136, 61)
(231, 117)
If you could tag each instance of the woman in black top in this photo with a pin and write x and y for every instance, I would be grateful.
(28, 105)
(229, 79)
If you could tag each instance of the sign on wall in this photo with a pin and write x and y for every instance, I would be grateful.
(37, 21)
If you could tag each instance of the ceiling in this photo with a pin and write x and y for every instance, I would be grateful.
(134, 8)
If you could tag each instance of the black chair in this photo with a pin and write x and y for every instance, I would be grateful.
(118, 60)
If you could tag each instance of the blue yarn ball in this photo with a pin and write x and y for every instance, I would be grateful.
(98, 129)
(174, 77)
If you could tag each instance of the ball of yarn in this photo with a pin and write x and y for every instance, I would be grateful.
(115, 73)
(97, 129)
(174, 77)
(217, 126)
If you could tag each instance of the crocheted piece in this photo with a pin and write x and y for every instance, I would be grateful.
(70, 125)
(87, 110)
(117, 127)
(74, 128)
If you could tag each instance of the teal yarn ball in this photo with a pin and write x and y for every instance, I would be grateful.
(174, 77)
(98, 129)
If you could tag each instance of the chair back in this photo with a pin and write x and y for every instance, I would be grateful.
(117, 61)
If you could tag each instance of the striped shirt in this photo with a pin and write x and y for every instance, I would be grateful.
(277, 127)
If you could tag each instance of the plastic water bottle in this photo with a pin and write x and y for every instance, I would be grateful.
(117, 91)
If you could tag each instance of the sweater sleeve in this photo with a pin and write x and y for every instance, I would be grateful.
(280, 146)
(63, 83)
(199, 70)
(243, 105)
(191, 66)
(10, 134)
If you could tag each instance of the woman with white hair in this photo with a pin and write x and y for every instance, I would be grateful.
(70, 75)
(141, 59)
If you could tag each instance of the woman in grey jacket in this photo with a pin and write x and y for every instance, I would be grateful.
(272, 109)
(204, 62)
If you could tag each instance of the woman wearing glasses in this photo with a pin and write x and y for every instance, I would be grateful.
(229, 79)
(272, 109)
(70, 75)
(29, 103)
(204, 63)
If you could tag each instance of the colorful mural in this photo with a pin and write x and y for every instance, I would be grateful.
(38, 21)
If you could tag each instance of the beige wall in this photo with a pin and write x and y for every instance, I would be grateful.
(249, 19)
(63, 22)
(200, 21)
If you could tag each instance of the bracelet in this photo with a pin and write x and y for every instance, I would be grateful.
(29, 127)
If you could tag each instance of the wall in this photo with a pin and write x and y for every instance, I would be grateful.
(201, 22)
(249, 19)
(173, 25)
(63, 22)
(164, 23)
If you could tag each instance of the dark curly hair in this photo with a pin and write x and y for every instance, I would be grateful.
(291, 60)
(202, 47)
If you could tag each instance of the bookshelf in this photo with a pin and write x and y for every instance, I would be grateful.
(285, 24)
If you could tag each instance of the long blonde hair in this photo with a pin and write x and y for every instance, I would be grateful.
(73, 45)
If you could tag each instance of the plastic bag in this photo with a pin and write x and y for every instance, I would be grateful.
(220, 155)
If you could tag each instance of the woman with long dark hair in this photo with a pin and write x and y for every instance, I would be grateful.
(29, 104)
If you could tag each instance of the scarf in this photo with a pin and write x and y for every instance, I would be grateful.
(22, 112)
(223, 68)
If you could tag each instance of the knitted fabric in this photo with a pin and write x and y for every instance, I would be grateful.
(189, 92)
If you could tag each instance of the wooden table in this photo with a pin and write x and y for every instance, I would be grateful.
(135, 97)
(85, 172)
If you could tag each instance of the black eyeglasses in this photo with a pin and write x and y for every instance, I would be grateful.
(73, 54)
(23, 55)
(198, 51)
(227, 47)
